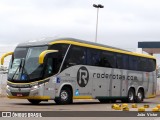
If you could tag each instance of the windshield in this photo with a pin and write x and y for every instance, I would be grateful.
(25, 67)
(26, 58)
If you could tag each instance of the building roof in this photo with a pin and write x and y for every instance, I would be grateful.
(150, 47)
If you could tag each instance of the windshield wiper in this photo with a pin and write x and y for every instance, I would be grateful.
(24, 72)
(19, 67)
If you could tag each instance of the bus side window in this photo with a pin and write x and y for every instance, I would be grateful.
(75, 56)
(122, 61)
(93, 57)
(108, 59)
(151, 65)
(142, 64)
(133, 63)
(125, 62)
(119, 59)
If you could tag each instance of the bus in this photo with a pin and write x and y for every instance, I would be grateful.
(66, 68)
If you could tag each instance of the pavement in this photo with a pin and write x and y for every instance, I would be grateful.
(7, 104)
(20, 105)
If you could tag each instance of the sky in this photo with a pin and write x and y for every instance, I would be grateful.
(122, 23)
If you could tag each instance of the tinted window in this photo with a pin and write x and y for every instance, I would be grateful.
(133, 62)
(49, 70)
(142, 64)
(20, 52)
(54, 60)
(93, 57)
(151, 65)
(119, 59)
(62, 48)
(122, 61)
(125, 62)
(107, 59)
(76, 56)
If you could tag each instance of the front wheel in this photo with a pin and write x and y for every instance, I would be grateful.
(34, 102)
(65, 96)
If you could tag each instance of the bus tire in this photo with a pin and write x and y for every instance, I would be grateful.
(131, 96)
(140, 96)
(34, 102)
(104, 100)
(65, 97)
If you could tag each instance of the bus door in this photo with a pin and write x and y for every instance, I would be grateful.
(49, 87)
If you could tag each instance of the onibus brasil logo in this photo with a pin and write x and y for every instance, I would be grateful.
(82, 76)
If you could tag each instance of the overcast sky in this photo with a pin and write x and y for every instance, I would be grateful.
(122, 23)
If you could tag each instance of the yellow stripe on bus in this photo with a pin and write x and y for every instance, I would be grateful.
(100, 47)
(31, 97)
(82, 97)
(151, 96)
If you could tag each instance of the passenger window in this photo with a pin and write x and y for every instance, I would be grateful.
(120, 61)
(133, 63)
(76, 56)
(93, 57)
(108, 59)
(151, 65)
(142, 64)
(125, 62)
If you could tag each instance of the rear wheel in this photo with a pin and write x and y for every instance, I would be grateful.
(140, 96)
(34, 102)
(131, 96)
(65, 96)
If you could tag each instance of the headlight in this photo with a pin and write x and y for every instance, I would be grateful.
(35, 87)
(7, 87)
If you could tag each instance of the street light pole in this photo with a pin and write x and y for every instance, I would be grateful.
(97, 6)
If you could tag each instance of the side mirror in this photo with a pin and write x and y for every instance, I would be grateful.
(43, 54)
(5, 55)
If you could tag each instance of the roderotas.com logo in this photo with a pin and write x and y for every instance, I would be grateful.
(82, 76)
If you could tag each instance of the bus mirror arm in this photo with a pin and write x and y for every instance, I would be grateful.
(43, 54)
(4, 56)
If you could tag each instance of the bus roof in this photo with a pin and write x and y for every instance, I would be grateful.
(50, 41)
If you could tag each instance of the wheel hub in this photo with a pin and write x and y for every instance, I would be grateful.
(131, 96)
(139, 96)
(64, 95)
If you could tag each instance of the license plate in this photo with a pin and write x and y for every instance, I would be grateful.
(19, 94)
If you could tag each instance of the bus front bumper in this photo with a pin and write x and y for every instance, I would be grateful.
(35, 92)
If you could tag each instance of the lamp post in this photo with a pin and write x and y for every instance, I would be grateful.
(97, 6)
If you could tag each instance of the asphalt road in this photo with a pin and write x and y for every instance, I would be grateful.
(7, 104)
